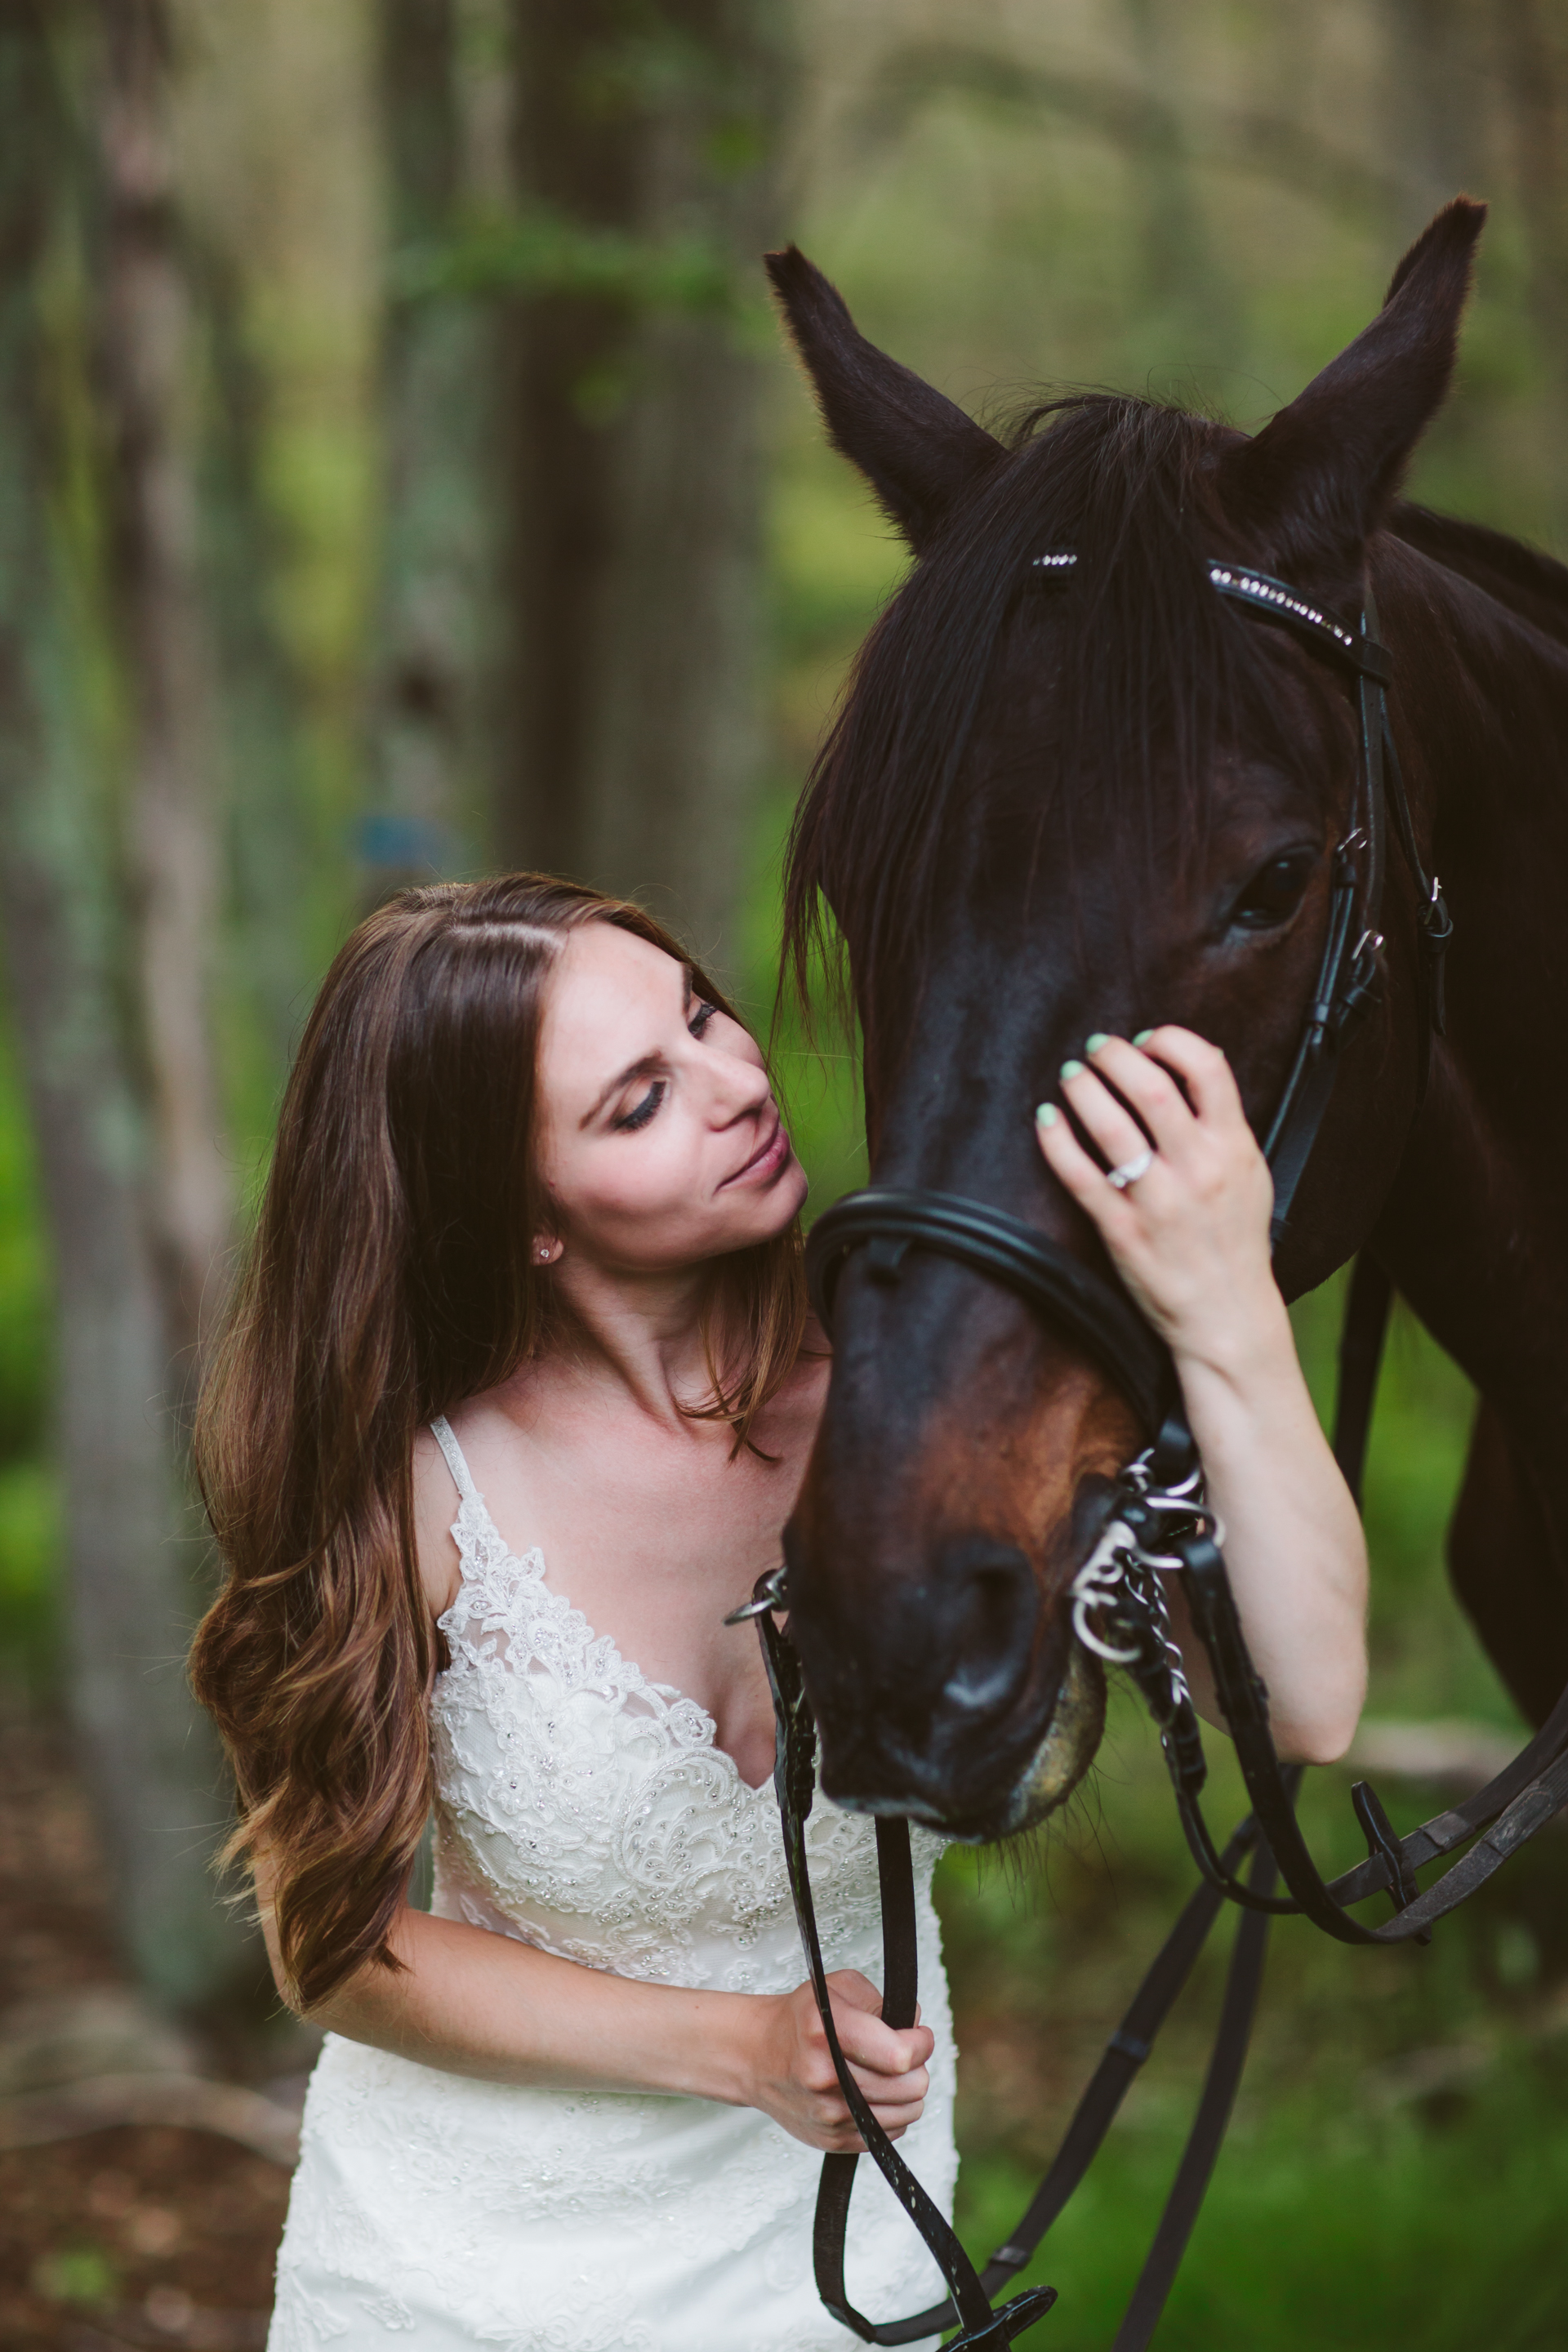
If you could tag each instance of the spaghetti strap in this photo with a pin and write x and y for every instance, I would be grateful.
(463, 1478)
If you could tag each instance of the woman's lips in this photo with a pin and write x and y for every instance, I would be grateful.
(766, 1162)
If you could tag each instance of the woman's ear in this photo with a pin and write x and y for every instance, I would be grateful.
(547, 1248)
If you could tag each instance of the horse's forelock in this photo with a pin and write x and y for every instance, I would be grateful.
(1151, 675)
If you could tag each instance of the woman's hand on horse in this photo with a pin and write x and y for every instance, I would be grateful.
(793, 2076)
(1189, 1236)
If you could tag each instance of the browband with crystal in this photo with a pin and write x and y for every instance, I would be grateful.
(1277, 601)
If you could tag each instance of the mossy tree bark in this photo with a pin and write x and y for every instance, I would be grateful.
(635, 465)
(432, 713)
(100, 776)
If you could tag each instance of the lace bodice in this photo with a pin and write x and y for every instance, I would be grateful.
(588, 1811)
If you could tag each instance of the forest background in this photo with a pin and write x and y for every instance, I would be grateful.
(400, 475)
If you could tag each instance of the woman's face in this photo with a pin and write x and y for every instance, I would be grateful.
(661, 1141)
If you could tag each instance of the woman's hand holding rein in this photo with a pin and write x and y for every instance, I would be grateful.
(795, 2078)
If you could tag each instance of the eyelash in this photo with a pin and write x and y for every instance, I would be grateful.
(656, 1093)
(644, 1111)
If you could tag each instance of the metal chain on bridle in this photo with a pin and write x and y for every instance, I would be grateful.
(1158, 1524)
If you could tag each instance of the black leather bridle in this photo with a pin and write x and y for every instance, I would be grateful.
(1157, 1522)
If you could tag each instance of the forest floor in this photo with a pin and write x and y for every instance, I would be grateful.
(150, 2233)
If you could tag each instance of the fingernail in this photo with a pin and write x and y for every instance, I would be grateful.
(1092, 1045)
(1072, 1070)
(1047, 1115)
(1143, 1037)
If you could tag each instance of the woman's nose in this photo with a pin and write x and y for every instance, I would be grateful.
(741, 1090)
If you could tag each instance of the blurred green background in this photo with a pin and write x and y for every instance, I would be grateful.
(432, 287)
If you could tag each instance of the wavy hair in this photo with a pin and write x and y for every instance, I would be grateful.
(391, 1276)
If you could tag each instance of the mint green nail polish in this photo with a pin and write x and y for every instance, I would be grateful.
(1072, 1070)
(1143, 1037)
(1048, 1115)
(1092, 1045)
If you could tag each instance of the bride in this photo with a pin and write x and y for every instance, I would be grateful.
(515, 1396)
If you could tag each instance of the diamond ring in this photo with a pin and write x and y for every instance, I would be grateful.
(1129, 1170)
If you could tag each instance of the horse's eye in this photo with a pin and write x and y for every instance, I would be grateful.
(1275, 891)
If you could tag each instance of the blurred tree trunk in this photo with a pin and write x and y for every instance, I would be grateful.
(636, 460)
(123, 1132)
(145, 335)
(431, 706)
(1533, 37)
(1185, 295)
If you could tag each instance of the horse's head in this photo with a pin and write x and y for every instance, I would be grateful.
(1062, 799)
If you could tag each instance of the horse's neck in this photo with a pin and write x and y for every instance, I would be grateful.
(1474, 1234)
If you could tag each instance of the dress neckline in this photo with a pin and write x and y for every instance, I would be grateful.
(533, 1561)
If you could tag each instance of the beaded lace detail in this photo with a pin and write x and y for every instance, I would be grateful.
(591, 1813)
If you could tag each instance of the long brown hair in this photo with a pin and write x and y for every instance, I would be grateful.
(391, 1276)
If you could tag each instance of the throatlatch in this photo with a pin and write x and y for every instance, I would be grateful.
(1158, 1524)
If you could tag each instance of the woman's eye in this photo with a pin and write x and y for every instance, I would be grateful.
(700, 1017)
(644, 1111)
(1275, 891)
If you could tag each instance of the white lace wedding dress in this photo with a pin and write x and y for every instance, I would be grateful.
(587, 1811)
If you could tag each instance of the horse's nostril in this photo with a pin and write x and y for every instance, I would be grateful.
(987, 1625)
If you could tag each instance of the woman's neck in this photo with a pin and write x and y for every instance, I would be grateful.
(637, 1336)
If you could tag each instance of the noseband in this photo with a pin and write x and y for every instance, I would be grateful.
(1157, 1522)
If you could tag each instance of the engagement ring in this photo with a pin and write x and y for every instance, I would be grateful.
(1129, 1170)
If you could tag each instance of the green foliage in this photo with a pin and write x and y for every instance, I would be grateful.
(30, 1532)
(1329, 2227)
(24, 1297)
(541, 250)
(76, 2274)
(29, 1595)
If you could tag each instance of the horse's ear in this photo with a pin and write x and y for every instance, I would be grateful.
(920, 453)
(1318, 480)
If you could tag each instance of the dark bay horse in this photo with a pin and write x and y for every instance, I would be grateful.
(1056, 802)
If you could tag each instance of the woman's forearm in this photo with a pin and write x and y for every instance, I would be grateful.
(473, 2002)
(1293, 1542)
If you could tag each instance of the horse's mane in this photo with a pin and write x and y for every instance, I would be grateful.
(1532, 586)
(1152, 672)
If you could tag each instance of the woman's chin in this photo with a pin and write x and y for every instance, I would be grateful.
(763, 1212)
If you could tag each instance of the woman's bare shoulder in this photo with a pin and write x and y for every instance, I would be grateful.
(435, 1508)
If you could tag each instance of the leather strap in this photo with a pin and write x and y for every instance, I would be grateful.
(1221, 2084)
(1514, 1807)
(984, 2330)
(1125, 2052)
(1097, 1313)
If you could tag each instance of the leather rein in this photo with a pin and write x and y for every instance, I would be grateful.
(1157, 1522)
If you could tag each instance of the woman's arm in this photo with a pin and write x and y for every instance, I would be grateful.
(473, 2002)
(1190, 1240)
